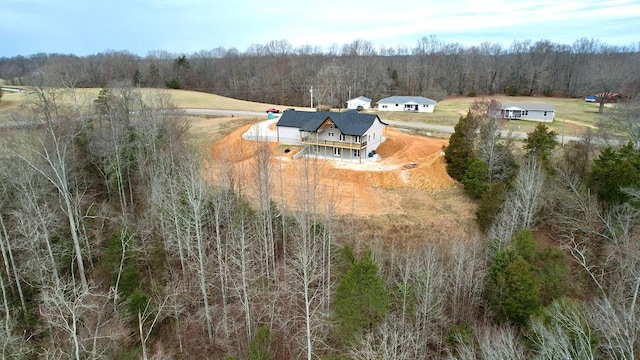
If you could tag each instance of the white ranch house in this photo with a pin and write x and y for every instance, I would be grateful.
(528, 111)
(359, 101)
(407, 103)
(347, 136)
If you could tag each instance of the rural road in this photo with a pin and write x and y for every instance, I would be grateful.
(397, 124)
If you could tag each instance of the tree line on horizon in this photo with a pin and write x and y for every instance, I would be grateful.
(120, 240)
(277, 72)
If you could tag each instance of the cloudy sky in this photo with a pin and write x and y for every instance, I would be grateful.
(85, 27)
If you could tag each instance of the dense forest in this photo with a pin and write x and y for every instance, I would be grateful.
(120, 239)
(278, 73)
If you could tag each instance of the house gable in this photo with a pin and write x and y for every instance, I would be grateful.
(349, 122)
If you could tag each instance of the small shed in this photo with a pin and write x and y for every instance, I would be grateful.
(359, 101)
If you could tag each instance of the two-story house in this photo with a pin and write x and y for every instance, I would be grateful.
(349, 135)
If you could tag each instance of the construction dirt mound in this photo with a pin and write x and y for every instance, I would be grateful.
(409, 178)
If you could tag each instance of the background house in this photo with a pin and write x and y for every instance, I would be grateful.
(349, 135)
(528, 111)
(359, 101)
(406, 103)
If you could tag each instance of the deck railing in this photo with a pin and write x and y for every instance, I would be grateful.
(308, 140)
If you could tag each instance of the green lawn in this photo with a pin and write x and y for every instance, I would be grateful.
(572, 115)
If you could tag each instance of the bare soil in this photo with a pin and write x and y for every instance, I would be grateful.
(408, 185)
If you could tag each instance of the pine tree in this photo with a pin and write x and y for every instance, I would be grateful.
(614, 170)
(361, 299)
(541, 143)
(459, 153)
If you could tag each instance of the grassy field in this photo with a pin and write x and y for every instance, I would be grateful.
(572, 115)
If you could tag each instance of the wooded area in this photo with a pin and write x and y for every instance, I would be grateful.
(119, 239)
(278, 73)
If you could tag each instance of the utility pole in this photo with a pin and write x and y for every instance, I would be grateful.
(311, 91)
(562, 143)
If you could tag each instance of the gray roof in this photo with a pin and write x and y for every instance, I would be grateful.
(529, 106)
(348, 122)
(407, 99)
(361, 98)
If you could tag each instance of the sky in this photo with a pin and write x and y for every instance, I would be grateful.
(86, 27)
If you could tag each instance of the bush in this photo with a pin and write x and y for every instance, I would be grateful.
(173, 84)
(260, 345)
(511, 90)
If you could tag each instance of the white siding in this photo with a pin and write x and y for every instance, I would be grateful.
(373, 136)
(514, 113)
(401, 107)
(354, 103)
(288, 135)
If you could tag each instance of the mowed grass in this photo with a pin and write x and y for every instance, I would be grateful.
(185, 99)
(573, 116)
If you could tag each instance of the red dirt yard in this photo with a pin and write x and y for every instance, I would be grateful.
(409, 183)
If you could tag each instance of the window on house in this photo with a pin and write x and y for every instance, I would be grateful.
(356, 153)
(545, 113)
(337, 151)
(342, 137)
(330, 134)
(356, 139)
(384, 106)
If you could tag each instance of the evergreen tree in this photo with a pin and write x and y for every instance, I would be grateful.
(512, 291)
(361, 300)
(541, 143)
(614, 170)
(459, 153)
(490, 205)
(104, 99)
(475, 178)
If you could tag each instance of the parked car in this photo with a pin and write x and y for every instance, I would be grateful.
(591, 98)
(272, 110)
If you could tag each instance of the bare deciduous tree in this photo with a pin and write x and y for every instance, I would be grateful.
(522, 204)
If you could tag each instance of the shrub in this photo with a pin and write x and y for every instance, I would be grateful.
(260, 345)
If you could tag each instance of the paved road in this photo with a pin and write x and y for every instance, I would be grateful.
(225, 112)
(397, 124)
